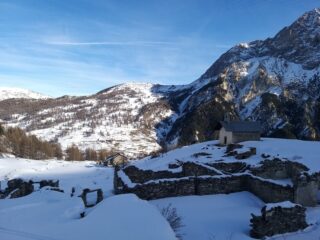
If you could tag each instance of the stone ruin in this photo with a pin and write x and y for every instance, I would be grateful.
(273, 180)
(263, 180)
(91, 198)
(194, 178)
(19, 188)
(238, 152)
(278, 219)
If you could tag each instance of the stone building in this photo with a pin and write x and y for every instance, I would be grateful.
(238, 131)
(116, 160)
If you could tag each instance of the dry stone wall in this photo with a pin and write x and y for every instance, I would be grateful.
(278, 220)
(222, 177)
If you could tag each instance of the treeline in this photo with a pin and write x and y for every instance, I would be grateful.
(14, 140)
(73, 153)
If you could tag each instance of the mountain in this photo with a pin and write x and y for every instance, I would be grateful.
(275, 81)
(123, 118)
(7, 93)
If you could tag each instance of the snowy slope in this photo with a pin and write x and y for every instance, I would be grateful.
(126, 118)
(275, 81)
(7, 93)
(305, 152)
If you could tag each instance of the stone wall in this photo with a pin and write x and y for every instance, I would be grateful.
(233, 167)
(141, 176)
(306, 189)
(278, 220)
(241, 137)
(219, 185)
(88, 202)
(188, 169)
(162, 189)
(221, 177)
(267, 191)
(278, 169)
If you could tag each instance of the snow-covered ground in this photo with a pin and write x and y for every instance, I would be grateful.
(305, 152)
(10, 92)
(227, 216)
(49, 215)
(214, 217)
(52, 215)
(79, 175)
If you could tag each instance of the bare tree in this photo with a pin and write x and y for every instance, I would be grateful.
(175, 221)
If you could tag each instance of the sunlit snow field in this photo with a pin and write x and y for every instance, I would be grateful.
(52, 215)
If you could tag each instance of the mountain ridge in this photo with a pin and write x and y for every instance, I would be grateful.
(275, 81)
(10, 92)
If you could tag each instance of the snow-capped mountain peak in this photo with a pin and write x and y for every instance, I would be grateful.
(10, 92)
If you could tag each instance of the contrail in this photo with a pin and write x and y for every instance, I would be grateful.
(115, 43)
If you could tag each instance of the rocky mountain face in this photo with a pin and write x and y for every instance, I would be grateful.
(275, 81)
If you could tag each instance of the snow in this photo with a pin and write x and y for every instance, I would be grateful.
(285, 204)
(53, 215)
(47, 214)
(221, 216)
(79, 175)
(305, 152)
(227, 216)
(91, 198)
(110, 120)
(8, 92)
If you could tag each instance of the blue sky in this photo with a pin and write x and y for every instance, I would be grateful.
(77, 47)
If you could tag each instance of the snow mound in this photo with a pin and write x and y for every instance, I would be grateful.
(56, 216)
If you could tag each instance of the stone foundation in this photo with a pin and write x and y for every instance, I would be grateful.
(188, 169)
(19, 188)
(221, 177)
(278, 220)
(267, 191)
(278, 169)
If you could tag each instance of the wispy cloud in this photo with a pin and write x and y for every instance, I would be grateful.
(61, 54)
(115, 43)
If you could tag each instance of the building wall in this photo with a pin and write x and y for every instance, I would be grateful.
(237, 137)
(246, 136)
(222, 134)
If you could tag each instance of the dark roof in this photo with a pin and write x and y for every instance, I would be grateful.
(241, 126)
